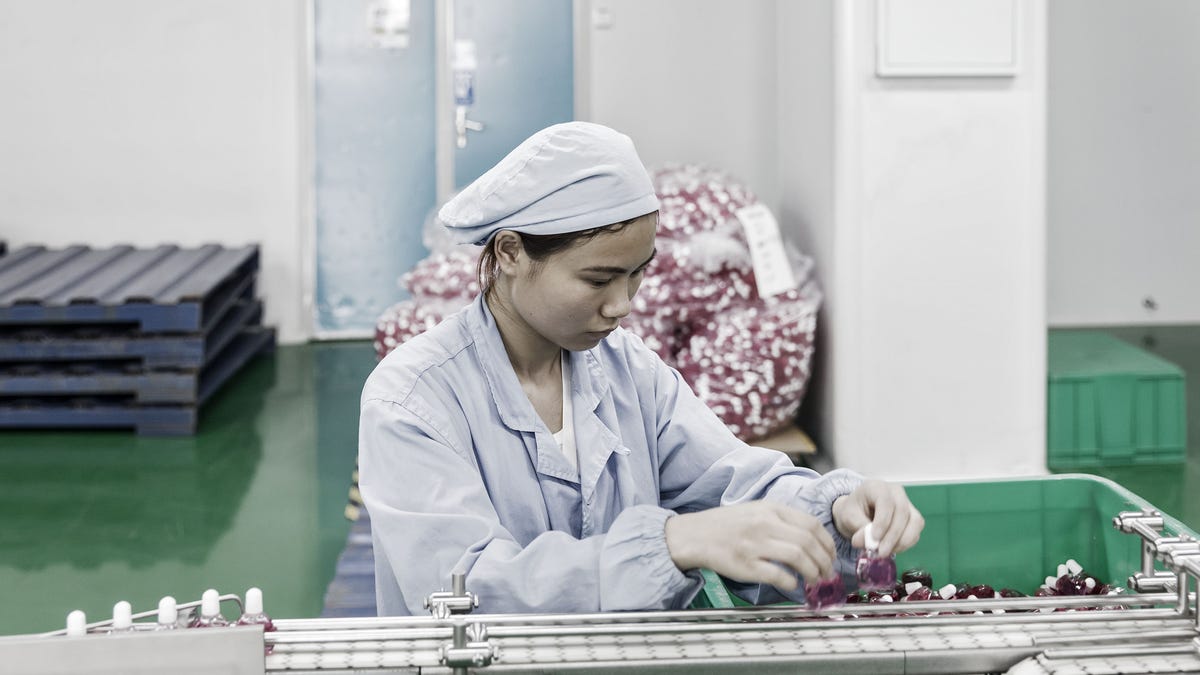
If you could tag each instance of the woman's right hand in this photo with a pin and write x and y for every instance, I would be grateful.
(756, 542)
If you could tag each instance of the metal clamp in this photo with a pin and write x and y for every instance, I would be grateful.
(470, 648)
(1186, 563)
(1172, 580)
(1180, 554)
(1148, 524)
(457, 601)
(1174, 552)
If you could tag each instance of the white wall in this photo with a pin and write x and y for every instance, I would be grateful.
(922, 201)
(1124, 162)
(688, 80)
(806, 156)
(146, 122)
(939, 263)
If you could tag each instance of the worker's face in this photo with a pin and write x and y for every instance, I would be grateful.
(575, 298)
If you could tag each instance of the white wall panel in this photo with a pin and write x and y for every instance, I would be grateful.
(940, 332)
(689, 80)
(1124, 162)
(146, 122)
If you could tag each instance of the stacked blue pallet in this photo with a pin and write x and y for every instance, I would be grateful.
(124, 337)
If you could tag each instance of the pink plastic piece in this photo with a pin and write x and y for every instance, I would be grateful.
(876, 573)
(825, 594)
(209, 622)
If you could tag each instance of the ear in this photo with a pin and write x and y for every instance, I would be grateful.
(510, 252)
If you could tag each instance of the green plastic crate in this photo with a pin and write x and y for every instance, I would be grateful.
(1012, 533)
(1110, 403)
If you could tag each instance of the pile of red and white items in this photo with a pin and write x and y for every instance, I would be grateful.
(916, 585)
(746, 355)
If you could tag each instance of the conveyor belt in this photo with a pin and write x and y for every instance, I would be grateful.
(758, 640)
(1167, 658)
(1143, 631)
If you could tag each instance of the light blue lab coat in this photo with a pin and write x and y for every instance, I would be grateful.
(458, 473)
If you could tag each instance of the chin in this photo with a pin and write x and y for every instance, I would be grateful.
(584, 343)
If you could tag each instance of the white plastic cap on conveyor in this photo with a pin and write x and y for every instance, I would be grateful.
(210, 603)
(254, 601)
(168, 612)
(122, 617)
(76, 623)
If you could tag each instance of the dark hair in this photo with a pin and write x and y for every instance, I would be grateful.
(538, 247)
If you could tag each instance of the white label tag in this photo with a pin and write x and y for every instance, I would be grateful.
(772, 271)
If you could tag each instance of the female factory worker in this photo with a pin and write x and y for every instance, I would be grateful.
(533, 445)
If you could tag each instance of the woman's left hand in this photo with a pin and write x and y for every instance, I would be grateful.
(896, 523)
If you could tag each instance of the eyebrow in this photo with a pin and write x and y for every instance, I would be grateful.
(619, 270)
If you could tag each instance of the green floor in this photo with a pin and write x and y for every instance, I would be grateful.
(256, 497)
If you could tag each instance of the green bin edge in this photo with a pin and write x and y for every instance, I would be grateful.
(957, 511)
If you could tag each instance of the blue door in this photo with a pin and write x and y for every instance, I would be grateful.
(376, 152)
(525, 75)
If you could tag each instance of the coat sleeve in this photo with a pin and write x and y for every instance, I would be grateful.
(432, 516)
(703, 465)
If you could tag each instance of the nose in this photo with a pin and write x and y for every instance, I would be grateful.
(617, 303)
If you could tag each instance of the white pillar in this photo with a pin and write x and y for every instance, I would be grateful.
(935, 358)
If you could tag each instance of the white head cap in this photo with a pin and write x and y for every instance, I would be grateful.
(565, 178)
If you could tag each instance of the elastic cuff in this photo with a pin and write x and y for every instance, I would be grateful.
(820, 495)
(659, 556)
(636, 569)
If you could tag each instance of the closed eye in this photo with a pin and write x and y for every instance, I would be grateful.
(617, 273)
